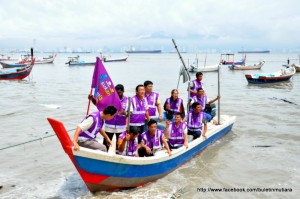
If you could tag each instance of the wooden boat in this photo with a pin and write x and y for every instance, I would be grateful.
(45, 60)
(103, 171)
(106, 59)
(74, 61)
(261, 78)
(16, 73)
(248, 67)
(210, 68)
(297, 67)
(7, 58)
(229, 60)
(13, 65)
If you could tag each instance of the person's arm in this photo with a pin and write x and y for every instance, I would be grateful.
(122, 142)
(94, 101)
(185, 140)
(166, 132)
(204, 131)
(148, 150)
(159, 111)
(166, 146)
(83, 126)
(147, 115)
(182, 110)
(102, 132)
(75, 138)
(212, 101)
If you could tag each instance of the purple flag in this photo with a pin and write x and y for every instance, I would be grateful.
(104, 89)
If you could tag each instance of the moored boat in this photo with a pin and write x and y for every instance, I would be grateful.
(209, 68)
(13, 65)
(106, 59)
(247, 67)
(262, 78)
(74, 61)
(103, 171)
(16, 73)
(297, 67)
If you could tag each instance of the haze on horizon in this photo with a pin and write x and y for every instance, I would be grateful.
(150, 24)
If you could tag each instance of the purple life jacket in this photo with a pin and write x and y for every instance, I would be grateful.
(174, 105)
(139, 111)
(153, 143)
(176, 137)
(91, 133)
(195, 121)
(130, 147)
(152, 99)
(201, 101)
(195, 87)
(118, 121)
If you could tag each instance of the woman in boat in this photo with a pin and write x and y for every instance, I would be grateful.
(173, 105)
(152, 141)
(86, 132)
(128, 142)
(196, 119)
(176, 132)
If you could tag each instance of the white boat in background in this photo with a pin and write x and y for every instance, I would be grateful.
(210, 68)
(248, 67)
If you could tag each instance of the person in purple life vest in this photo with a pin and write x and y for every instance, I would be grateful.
(202, 99)
(118, 124)
(139, 109)
(195, 84)
(173, 105)
(128, 142)
(152, 141)
(86, 132)
(153, 104)
(196, 121)
(176, 132)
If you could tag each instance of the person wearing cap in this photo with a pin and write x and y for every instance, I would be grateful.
(86, 132)
(128, 142)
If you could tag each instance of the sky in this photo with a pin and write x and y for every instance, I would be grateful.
(115, 25)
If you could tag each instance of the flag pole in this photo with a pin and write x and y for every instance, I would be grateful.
(88, 108)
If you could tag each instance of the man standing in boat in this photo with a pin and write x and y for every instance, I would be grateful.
(153, 104)
(128, 142)
(176, 132)
(196, 118)
(152, 141)
(139, 109)
(117, 125)
(86, 132)
(195, 84)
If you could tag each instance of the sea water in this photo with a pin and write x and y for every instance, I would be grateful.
(261, 151)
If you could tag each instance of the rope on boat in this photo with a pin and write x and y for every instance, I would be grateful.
(34, 140)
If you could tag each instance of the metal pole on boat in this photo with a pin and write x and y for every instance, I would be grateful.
(128, 127)
(219, 104)
(189, 77)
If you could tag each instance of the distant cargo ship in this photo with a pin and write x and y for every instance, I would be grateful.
(254, 51)
(143, 51)
(132, 50)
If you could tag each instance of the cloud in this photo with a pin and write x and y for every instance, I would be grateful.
(95, 23)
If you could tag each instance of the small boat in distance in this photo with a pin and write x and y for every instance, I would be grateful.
(210, 68)
(7, 58)
(297, 67)
(229, 60)
(108, 59)
(74, 61)
(13, 65)
(45, 60)
(247, 67)
(262, 78)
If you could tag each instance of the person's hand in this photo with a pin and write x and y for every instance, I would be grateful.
(90, 97)
(148, 150)
(122, 112)
(204, 136)
(169, 152)
(76, 146)
(109, 143)
(159, 118)
(186, 144)
(168, 123)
